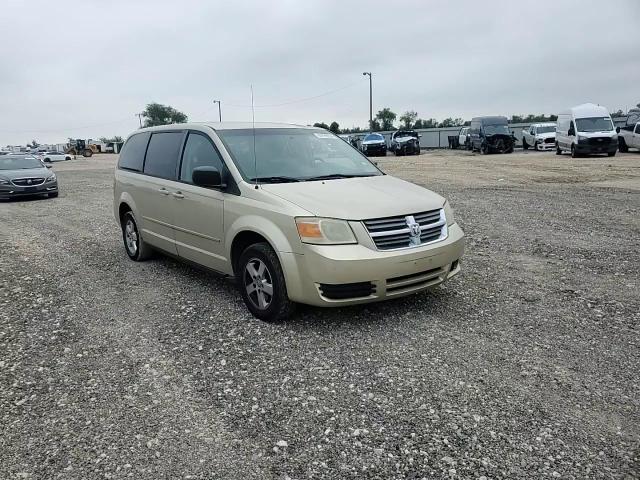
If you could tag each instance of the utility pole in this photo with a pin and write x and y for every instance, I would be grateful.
(139, 115)
(219, 110)
(370, 100)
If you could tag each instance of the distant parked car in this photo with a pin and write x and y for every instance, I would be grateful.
(22, 175)
(463, 138)
(629, 135)
(540, 136)
(491, 135)
(54, 156)
(584, 130)
(374, 144)
(405, 142)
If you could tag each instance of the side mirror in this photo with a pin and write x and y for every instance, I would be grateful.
(48, 166)
(617, 129)
(207, 177)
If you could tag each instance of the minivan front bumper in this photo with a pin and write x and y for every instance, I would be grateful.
(336, 275)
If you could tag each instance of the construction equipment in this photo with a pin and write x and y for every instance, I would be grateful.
(81, 147)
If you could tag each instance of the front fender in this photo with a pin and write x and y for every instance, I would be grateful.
(263, 226)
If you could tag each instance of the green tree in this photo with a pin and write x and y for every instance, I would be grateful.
(447, 122)
(375, 126)
(408, 118)
(321, 125)
(34, 144)
(334, 127)
(156, 114)
(386, 118)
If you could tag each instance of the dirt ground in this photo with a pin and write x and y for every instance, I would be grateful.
(527, 365)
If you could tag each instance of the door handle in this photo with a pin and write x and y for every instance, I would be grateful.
(178, 194)
(163, 191)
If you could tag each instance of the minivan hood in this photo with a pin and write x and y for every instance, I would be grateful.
(358, 198)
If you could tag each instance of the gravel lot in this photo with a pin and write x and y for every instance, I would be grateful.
(527, 365)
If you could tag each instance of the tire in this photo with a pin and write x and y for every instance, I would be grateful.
(622, 145)
(558, 151)
(47, 160)
(137, 249)
(611, 154)
(52, 195)
(536, 146)
(262, 285)
(484, 149)
(87, 153)
(525, 145)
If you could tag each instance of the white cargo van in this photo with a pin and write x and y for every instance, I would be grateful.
(584, 130)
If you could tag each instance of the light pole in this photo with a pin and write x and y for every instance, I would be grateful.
(139, 115)
(219, 110)
(370, 100)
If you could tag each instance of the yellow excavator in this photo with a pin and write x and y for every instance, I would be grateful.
(81, 147)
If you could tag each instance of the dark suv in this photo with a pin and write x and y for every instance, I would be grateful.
(491, 135)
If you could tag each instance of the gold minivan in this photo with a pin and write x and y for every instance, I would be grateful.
(295, 214)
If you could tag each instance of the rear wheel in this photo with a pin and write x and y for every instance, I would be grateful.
(87, 152)
(262, 285)
(134, 245)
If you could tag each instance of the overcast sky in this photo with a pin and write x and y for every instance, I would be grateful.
(84, 68)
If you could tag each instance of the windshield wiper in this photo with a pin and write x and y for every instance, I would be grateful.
(275, 179)
(335, 176)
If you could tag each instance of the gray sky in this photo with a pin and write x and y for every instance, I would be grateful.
(82, 69)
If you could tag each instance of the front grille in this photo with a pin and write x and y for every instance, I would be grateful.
(413, 281)
(391, 233)
(346, 291)
(600, 141)
(28, 182)
(550, 140)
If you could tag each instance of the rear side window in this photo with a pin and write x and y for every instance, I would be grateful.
(132, 154)
(162, 154)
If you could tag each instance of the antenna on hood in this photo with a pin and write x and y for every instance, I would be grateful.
(253, 127)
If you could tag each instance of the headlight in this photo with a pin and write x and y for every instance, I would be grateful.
(4, 181)
(448, 213)
(582, 139)
(324, 231)
(52, 178)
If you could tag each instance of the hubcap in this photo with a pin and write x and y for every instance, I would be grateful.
(131, 237)
(258, 283)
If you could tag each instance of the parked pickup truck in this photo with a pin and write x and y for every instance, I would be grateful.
(540, 136)
(629, 137)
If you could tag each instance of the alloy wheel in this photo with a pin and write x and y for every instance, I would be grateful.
(131, 237)
(259, 283)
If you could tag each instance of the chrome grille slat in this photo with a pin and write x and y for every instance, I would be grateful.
(392, 233)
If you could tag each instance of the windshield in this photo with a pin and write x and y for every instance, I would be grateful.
(496, 129)
(294, 154)
(594, 124)
(404, 133)
(19, 163)
(373, 136)
(546, 129)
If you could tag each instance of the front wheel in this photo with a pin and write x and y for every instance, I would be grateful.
(574, 154)
(525, 145)
(262, 285)
(611, 154)
(622, 145)
(558, 151)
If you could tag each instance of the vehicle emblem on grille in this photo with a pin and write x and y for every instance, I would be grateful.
(29, 182)
(414, 230)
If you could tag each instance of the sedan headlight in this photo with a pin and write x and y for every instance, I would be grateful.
(324, 231)
(52, 178)
(4, 181)
(448, 213)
